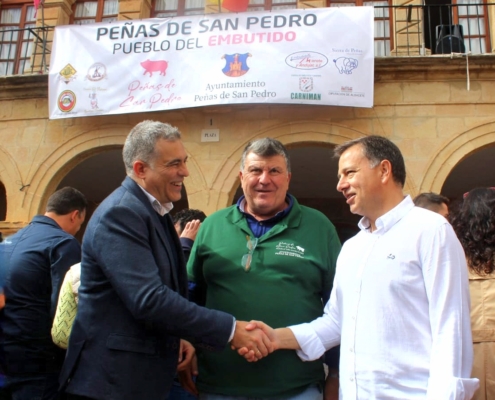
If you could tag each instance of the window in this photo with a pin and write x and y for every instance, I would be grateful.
(88, 12)
(445, 19)
(260, 5)
(174, 8)
(471, 15)
(16, 38)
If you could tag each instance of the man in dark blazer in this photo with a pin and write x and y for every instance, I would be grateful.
(132, 308)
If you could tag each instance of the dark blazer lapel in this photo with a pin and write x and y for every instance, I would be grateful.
(132, 187)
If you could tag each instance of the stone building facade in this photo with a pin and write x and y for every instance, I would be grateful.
(422, 103)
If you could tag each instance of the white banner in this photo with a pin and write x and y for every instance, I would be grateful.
(316, 56)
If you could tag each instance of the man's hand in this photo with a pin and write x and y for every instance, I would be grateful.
(280, 338)
(255, 341)
(251, 355)
(191, 229)
(186, 353)
(186, 376)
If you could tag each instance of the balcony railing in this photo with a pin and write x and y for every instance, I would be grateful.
(25, 51)
(400, 31)
(424, 30)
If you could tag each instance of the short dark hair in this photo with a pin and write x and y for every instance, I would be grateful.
(430, 200)
(141, 141)
(266, 147)
(66, 200)
(376, 149)
(186, 215)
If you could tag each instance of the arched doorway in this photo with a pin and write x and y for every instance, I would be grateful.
(96, 177)
(474, 170)
(100, 175)
(3, 202)
(314, 182)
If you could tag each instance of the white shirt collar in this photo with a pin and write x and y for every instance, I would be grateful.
(161, 209)
(389, 219)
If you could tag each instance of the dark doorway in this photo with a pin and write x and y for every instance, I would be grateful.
(3, 202)
(100, 175)
(314, 182)
(473, 171)
(436, 12)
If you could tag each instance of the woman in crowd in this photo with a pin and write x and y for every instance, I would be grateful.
(474, 224)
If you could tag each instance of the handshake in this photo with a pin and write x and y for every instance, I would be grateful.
(255, 340)
(252, 340)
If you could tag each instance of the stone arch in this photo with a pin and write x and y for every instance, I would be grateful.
(71, 153)
(294, 133)
(454, 151)
(11, 179)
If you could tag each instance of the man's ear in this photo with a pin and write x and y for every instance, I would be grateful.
(73, 215)
(385, 170)
(139, 168)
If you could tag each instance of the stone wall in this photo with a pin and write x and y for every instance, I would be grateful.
(421, 103)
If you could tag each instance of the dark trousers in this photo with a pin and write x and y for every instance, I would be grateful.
(178, 393)
(34, 387)
(69, 396)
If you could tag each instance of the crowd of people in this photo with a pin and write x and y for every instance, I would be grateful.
(258, 300)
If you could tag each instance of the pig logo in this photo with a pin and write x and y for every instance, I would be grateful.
(235, 64)
(154, 66)
(345, 65)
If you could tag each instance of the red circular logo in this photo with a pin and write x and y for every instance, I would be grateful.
(66, 101)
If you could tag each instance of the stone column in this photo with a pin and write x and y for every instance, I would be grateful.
(311, 3)
(407, 29)
(52, 13)
(134, 9)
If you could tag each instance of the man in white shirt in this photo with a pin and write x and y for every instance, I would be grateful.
(400, 304)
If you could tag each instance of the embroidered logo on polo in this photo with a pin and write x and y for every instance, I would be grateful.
(289, 249)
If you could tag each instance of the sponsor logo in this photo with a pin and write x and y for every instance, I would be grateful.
(235, 64)
(289, 250)
(305, 96)
(97, 72)
(346, 91)
(94, 101)
(67, 74)
(66, 101)
(345, 65)
(306, 84)
(306, 60)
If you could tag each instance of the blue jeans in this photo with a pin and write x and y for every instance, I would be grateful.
(34, 387)
(313, 392)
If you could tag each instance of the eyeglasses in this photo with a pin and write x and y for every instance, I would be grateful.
(466, 194)
(247, 258)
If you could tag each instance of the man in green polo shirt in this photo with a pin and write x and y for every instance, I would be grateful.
(266, 258)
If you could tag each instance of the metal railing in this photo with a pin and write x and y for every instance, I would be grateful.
(400, 31)
(26, 50)
(424, 30)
